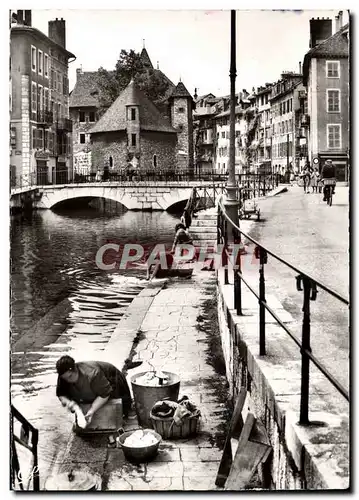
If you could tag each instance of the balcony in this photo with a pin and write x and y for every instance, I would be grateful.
(64, 124)
(44, 118)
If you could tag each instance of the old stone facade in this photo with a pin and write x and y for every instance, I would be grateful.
(284, 105)
(157, 152)
(40, 144)
(326, 77)
(133, 136)
(152, 149)
(84, 111)
(181, 118)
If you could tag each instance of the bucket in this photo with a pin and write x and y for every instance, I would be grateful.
(140, 454)
(146, 396)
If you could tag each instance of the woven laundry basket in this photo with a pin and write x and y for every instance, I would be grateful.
(167, 428)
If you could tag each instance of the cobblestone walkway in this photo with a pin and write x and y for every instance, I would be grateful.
(179, 335)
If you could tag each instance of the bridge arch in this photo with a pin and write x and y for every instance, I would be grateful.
(67, 201)
(133, 196)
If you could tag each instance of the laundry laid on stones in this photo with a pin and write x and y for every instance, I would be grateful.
(140, 438)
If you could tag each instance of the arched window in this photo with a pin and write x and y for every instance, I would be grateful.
(155, 161)
(110, 162)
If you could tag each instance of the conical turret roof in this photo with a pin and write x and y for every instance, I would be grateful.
(146, 59)
(180, 91)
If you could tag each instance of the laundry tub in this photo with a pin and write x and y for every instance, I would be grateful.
(145, 396)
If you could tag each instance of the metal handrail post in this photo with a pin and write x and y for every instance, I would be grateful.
(261, 254)
(36, 476)
(309, 293)
(225, 250)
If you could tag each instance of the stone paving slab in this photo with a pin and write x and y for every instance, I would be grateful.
(168, 318)
(171, 341)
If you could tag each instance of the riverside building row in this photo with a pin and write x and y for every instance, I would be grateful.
(40, 128)
(301, 119)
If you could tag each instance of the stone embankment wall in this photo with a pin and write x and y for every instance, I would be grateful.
(303, 457)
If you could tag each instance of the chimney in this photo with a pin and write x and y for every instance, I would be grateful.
(320, 30)
(300, 68)
(340, 20)
(195, 93)
(27, 19)
(20, 17)
(78, 72)
(57, 32)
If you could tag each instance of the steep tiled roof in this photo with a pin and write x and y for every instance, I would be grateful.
(180, 91)
(85, 92)
(115, 117)
(335, 46)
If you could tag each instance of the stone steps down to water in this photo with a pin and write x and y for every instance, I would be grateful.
(203, 229)
(197, 223)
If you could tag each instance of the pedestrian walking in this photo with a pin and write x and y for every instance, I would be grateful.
(306, 180)
(314, 180)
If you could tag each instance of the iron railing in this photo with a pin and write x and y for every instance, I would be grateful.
(29, 437)
(146, 176)
(305, 283)
(259, 184)
(23, 181)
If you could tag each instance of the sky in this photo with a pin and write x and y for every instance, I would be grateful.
(190, 45)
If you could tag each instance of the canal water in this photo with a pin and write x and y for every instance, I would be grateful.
(59, 296)
(53, 258)
(61, 302)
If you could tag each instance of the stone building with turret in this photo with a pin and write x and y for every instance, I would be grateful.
(171, 118)
(133, 135)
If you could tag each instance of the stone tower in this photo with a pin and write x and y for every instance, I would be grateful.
(181, 106)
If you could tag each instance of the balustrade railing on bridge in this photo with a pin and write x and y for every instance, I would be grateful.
(304, 283)
(259, 184)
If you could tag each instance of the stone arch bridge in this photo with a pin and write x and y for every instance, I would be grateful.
(133, 195)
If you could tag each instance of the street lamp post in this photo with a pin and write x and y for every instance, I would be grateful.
(231, 201)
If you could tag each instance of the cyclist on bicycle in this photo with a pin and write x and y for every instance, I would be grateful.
(328, 172)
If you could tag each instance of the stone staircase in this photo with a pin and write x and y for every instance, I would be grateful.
(203, 229)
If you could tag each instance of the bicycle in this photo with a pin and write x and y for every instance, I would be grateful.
(329, 185)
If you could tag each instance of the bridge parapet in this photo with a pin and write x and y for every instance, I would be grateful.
(140, 195)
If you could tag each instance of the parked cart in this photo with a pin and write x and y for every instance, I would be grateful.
(249, 205)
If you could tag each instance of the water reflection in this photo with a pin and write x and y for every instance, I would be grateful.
(53, 257)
